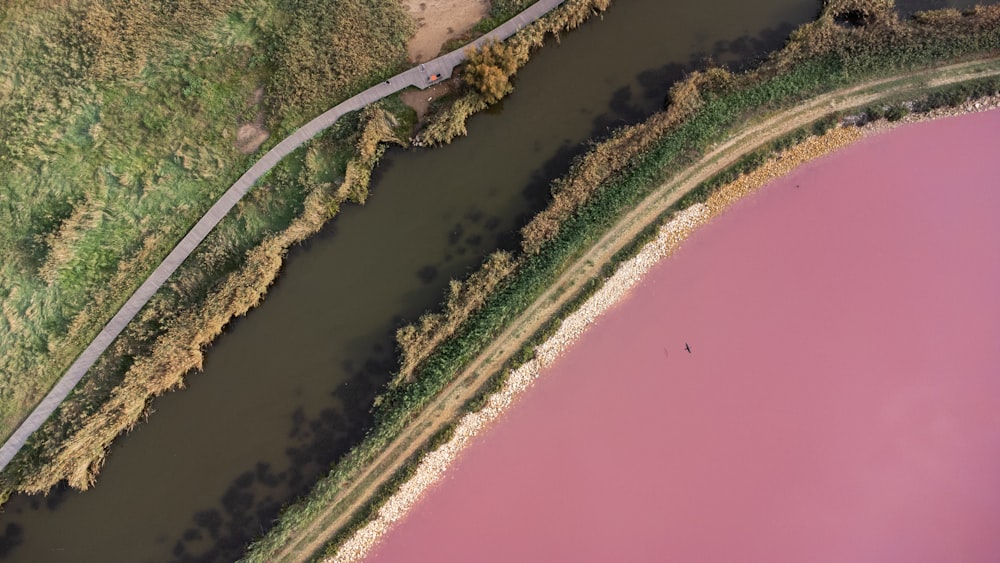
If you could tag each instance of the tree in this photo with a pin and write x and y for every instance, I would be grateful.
(490, 68)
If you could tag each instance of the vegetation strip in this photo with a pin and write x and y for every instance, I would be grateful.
(420, 77)
(827, 67)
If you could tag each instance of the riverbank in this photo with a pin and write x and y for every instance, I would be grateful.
(171, 335)
(822, 319)
(719, 125)
(119, 138)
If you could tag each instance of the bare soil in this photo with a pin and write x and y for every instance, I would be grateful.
(252, 134)
(441, 20)
(420, 100)
(451, 400)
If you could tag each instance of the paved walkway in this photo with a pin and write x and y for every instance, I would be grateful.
(421, 76)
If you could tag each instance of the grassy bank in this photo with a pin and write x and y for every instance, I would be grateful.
(852, 42)
(123, 121)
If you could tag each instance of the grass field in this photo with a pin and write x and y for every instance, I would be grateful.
(121, 124)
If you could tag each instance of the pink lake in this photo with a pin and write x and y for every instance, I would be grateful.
(841, 401)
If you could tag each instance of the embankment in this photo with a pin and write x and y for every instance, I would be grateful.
(717, 126)
(840, 370)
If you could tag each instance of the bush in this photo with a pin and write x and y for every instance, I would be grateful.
(821, 126)
(875, 112)
(896, 112)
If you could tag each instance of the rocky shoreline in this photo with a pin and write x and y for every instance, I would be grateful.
(670, 236)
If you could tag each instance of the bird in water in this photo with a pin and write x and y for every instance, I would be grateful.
(687, 347)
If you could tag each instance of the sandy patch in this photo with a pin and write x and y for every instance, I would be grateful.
(249, 137)
(252, 134)
(420, 100)
(441, 20)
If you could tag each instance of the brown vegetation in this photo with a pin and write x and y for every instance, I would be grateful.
(592, 169)
(449, 122)
(378, 130)
(184, 335)
(120, 35)
(416, 341)
(322, 52)
(488, 72)
(490, 68)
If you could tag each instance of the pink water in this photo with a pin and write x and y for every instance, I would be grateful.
(841, 401)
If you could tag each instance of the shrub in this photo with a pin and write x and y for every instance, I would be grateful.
(875, 112)
(825, 124)
(896, 112)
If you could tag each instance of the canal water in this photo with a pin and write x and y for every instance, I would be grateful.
(287, 389)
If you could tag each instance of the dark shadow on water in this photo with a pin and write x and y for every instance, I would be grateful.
(492, 224)
(535, 195)
(13, 536)
(329, 230)
(427, 274)
(628, 106)
(455, 234)
(474, 215)
(254, 498)
(58, 495)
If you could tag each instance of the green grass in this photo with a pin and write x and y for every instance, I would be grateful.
(117, 138)
(501, 11)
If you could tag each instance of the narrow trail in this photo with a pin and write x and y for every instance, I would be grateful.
(451, 400)
(422, 76)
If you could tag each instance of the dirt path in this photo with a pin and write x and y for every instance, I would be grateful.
(450, 401)
(420, 100)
